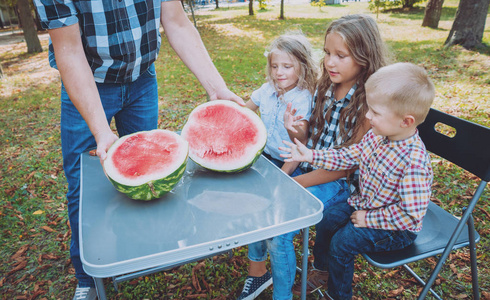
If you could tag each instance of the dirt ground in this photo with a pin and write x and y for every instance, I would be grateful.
(21, 70)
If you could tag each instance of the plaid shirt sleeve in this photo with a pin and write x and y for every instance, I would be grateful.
(338, 159)
(56, 14)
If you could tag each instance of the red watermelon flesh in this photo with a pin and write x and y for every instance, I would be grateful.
(224, 136)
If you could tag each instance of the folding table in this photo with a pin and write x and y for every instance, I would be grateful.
(205, 214)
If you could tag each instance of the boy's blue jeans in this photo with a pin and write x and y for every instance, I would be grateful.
(342, 242)
(134, 106)
(281, 248)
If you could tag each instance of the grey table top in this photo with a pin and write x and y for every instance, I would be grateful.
(206, 213)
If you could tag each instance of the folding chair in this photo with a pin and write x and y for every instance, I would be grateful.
(442, 232)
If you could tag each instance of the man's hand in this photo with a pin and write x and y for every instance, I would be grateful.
(290, 120)
(358, 218)
(226, 94)
(296, 152)
(104, 142)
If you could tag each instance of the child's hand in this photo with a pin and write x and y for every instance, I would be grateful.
(358, 218)
(290, 120)
(296, 152)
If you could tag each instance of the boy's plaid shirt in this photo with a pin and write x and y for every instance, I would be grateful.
(395, 179)
(121, 39)
(330, 136)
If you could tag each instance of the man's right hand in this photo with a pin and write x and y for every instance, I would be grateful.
(104, 142)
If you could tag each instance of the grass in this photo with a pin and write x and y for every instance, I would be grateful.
(33, 219)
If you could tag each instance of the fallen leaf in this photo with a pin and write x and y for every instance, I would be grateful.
(22, 250)
(47, 228)
(453, 268)
(396, 292)
(38, 212)
(19, 267)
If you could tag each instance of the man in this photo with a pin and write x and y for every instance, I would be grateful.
(104, 51)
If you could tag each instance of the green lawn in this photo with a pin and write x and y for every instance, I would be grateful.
(33, 219)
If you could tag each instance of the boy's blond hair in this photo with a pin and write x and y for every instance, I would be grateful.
(407, 87)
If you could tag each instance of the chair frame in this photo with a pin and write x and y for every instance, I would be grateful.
(469, 149)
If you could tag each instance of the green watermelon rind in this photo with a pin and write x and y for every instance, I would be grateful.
(153, 189)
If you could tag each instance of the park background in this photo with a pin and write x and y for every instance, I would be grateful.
(34, 234)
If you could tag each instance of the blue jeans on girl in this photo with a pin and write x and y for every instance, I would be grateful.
(134, 106)
(342, 242)
(281, 248)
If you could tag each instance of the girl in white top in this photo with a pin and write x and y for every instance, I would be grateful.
(291, 80)
(291, 74)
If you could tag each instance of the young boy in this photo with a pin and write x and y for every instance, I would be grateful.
(395, 175)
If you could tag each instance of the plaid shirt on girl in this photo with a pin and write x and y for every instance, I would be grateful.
(330, 136)
(395, 179)
(121, 39)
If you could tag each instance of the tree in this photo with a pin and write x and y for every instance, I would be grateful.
(432, 14)
(409, 3)
(469, 24)
(28, 27)
(251, 7)
(217, 4)
(281, 15)
(191, 7)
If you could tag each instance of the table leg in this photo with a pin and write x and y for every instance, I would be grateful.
(304, 264)
(99, 286)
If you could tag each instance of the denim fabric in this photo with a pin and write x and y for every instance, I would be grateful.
(344, 242)
(278, 163)
(281, 248)
(134, 106)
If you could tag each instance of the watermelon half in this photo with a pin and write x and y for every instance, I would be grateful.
(224, 136)
(147, 164)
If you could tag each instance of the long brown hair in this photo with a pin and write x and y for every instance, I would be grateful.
(361, 36)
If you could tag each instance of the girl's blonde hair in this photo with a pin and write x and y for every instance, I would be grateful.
(299, 48)
(361, 36)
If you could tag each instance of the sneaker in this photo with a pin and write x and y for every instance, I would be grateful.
(254, 286)
(316, 279)
(85, 293)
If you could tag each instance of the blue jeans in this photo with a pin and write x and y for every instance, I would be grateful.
(344, 242)
(134, 107)
(277, 162)
(281, 248)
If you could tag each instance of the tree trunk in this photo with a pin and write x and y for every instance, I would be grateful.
(469, 24)
(191, 5)
(28, 27)
(251, 8)
(432, 14)
(217, 4)
(281, 16)
(37, 21)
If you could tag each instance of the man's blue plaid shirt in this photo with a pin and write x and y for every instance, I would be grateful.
(121, 38)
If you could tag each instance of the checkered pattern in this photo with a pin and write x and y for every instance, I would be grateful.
(330, 136)
(395, 179)
(120, 37)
